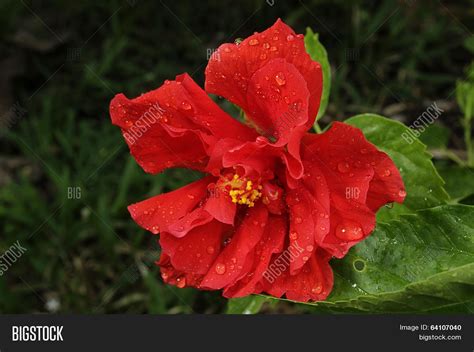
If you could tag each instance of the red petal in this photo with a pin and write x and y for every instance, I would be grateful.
(195, 252)
(220, 206)
(314, 282)
(277, 100)
(272, 242)
(196, 218)
(175, 277)
(158, 213)
(308, 223)
(173, 125)
(360, 179)
(229, 266)
(230, 70)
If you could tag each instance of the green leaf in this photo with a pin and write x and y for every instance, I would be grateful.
(420, 263)
(459, 180)
(423, 184)
(245, 305)
(435, 136)
(318, 53)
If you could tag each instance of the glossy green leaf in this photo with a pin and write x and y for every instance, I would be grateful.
(435, 136)
(423, 184)
(245, 305)
(422, 262)
(318, 53)
(459, 180)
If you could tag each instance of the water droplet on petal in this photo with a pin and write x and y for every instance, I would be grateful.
(402, 193)
(253, 42)
(363, 151)
(343, 167)
(309, 248)
(273, 48)
(349, 232)
(280, 79)
(180, 282)
(210, 250)
(266, 45)
(294, 235)
(186, 106)
(290, 37)
(317, 289)
(297, 105)
(385, 173)
(298, 220)
(220, 268)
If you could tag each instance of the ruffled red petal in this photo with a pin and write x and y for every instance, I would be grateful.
(272, 242)
(174, 125)
(229, 265)
(359, 180)
(195, 252)
(160, 212)
(313, 282)
(237, 69)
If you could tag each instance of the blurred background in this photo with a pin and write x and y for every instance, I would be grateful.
(66, 176)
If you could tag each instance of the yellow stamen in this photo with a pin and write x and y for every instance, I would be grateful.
(243, 191)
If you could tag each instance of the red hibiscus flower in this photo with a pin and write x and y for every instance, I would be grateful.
(277, 203)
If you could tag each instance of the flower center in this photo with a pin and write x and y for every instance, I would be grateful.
(242, 190)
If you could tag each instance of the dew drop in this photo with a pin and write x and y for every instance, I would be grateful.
(309, 248)
(210, 250)
(294, 235)
(296, 106)
(180, 282)
(280, 79)
(349, 232)
(263, 57)
(290, 37)
(363, 151)
(220, 268)
(266, 45)
(186, 106)
(343, 167)
(190, 196)
(253, 42)
(317, 289)
(273, 48)
(298, 220)
(385, 173)
(402, 193)
(227, 50)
